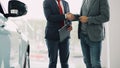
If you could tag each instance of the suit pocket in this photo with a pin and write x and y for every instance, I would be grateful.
(95, 30)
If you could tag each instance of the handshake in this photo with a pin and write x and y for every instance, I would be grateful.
(72, 17)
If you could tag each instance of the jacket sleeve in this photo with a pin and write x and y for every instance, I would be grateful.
(103, 16)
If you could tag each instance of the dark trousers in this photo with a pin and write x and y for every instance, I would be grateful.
(55, 48)
(91, 52)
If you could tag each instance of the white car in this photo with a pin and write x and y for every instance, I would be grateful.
(14, 46)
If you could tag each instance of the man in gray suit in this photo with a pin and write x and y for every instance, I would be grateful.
(94, 13)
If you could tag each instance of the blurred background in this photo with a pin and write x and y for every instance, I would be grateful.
(33, 24)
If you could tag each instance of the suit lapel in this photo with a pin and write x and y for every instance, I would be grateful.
(82, 7)
(90, 6)
(54, 3)
(83, 2)
(64, 6)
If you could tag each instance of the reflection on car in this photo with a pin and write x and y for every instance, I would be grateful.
(14, 46)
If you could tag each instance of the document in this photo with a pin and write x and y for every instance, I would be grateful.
(63, 33)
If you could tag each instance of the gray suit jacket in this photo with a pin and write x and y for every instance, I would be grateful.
(98, 14)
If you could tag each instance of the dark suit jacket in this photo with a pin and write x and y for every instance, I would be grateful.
(54, 18)
(98, 14)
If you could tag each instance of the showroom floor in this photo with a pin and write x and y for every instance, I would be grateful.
(41, 61)
(39, 58)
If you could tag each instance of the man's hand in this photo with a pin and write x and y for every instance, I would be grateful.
(70, 16)
(83, 19)
(69, 28)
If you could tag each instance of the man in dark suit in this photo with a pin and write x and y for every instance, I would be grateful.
(94, 13)
(57, 15)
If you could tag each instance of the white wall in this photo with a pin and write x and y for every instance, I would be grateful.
(114, 33)
(105, 51)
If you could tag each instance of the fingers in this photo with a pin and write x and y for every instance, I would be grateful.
(70, 16)
(69, 28)
(83, 19)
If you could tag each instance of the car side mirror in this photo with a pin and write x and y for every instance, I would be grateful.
(16, 8)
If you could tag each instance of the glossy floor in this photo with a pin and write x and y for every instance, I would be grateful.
(39, 57)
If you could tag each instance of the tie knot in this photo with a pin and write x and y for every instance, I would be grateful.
(58, 0)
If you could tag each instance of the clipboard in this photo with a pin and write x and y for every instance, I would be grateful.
(63, 33)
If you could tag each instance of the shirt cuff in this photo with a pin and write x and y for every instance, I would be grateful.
(65, 16)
